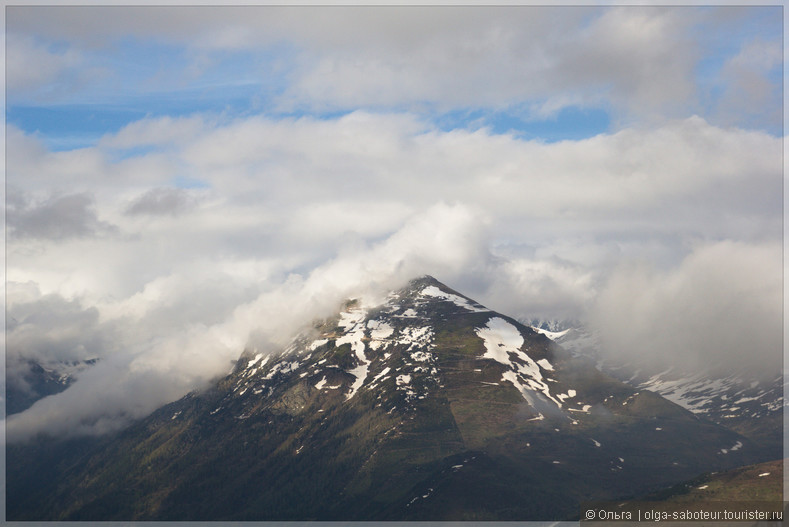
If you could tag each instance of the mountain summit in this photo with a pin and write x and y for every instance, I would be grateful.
(428, 406)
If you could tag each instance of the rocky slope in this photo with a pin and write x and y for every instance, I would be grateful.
(748, 404)
(427, 406)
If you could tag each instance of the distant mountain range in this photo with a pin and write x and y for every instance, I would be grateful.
(427, 406)
(739, 401)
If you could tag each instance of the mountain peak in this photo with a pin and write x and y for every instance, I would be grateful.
(420, 283)
(424, 281)
(428, 406)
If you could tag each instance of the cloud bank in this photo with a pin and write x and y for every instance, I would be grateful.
(320, 168)
(640, 62)
(721, 309)
(293, 215)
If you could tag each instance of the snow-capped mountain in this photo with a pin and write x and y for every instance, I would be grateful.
(427, 406)
(749, 405)
(390, 349)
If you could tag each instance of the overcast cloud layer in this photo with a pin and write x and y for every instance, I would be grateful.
(269, 162)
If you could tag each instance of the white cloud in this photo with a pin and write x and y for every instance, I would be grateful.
(749, 85)
(159, 132)
(161, 200)
(56, 218)
(362, 154)
(50, 328)
(643, 56)
(221, 221)
(177, 334)
(291, 191)
(30, 65)
(720, 308)
(181, 313)
(636, 61)
(542, 288)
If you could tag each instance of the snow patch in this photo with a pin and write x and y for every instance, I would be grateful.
(569, 395)
(553, 335)
(502, 339)
(545, 364)
(353, 321)
(379, 329)
(317, 344)
(383, 372)
(416, 337)
(421, 356)
(255, 360)
(735, 447)
(283, 367)
(403, 379)
(459, 301)
(360, 372)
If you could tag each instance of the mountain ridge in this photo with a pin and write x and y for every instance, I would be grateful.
(752, 405)
(428, 406)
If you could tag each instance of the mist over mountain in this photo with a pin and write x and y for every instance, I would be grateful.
(33, 381)
(425, 405)
(749, 401)
(187, 183)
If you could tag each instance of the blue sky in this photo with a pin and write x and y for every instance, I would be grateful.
(185, 182)
(129, 72)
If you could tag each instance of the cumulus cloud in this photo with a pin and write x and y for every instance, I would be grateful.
(750, 83)
(169, 245)
(58, 217)
(286, 193)
(549, 289)
(161, 200)
(642, 57)
(362, 155)
(638, 61)
(720, 308)
(23, 51)
(721, 303)
(160, 133)
(171, 346)
(52, 328)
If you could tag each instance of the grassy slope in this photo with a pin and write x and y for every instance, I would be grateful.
(740, 484)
